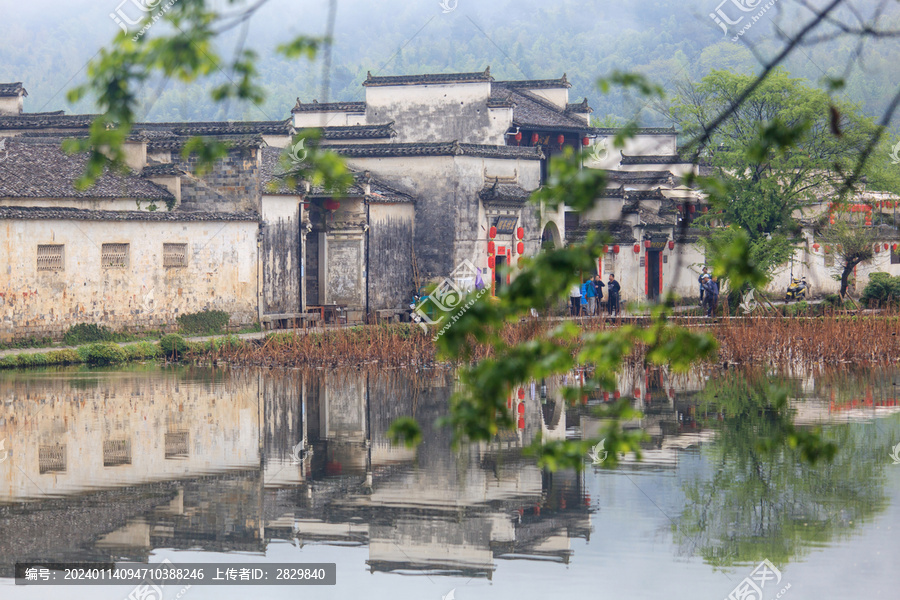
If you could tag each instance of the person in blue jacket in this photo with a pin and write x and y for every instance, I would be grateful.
(589, 296)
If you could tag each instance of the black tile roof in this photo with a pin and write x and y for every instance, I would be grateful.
(176, 142)
(579, 107)
(437, 149)
(668, 159)
(161, 170)
(40, 169)
(44, 213)
(642, 177)
(358, 132)
(428, 78)
(620, 232)
(12, 89)
(503, 195)
(534, 84)
(316, 106)
(46, 121)
(219, 127)
(533, 112)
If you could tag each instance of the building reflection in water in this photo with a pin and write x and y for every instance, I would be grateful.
(110, 465)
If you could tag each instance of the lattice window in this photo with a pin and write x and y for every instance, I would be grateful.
(114, 255)
(829, 260)
(50, 257)
(174, 255)
(116, 452)
(52, 459)
(177, 444)
(609, 265)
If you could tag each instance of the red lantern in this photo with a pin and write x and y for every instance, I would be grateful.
(331, 204)
(637, 248)
(534, 138)
(816, 247)
(885, 246)
(616, 249)
(520, 248)
(519, 136)
(521, 408)
(492, 233)
(616, 394)
(560, 139)
(646, 243)
(827, 249)
(490, 247)
(521, 425)
(671, 245)
(605, 249)
(585, 141)
(705, 209)
(693, 208)
(520, 233)
(521, 393)
(895, 247)
(491, 262)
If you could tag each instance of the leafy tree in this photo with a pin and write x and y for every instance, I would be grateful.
(851, 244)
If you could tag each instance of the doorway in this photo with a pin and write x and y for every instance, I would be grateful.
(654, 274)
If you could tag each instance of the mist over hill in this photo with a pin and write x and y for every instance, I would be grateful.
(47, 44)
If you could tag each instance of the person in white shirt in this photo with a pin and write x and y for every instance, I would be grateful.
(575, 298)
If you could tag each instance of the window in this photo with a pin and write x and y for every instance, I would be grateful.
(52, 459)
(895, 256)
(174, 255)
(114, 255)
(116, 452)
(177, 444)
(50, 257)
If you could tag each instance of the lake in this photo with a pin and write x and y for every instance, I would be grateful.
(189, 464)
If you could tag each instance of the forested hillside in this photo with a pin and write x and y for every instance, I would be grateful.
(46, 45)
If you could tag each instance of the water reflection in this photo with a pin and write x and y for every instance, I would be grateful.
(110, 465)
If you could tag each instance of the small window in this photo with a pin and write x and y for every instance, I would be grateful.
(174, 255)
(52, 459)
(609, 265)
(50, 257)
(177, 444)
(116, 452)
(114, 255)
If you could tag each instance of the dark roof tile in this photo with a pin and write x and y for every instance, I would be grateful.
(46, 121)
(45, 213)
(428, 78)
(437, 149)
(12, 89)
(534, 84)
(219, 128)
(316, 106)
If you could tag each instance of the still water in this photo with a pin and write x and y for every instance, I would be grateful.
(144, 463)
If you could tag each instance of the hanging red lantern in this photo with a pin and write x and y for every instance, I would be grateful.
(885, 246)
(585, 141)
(491, 262)
(605, 249)
(490, 247)
(693, 208)
(646, 243)
(895, 247)
(534, 138)
(521, 394)
(560, 139)
(637, 248)
(331, 204)
(521, 425)
(616, 249)
(816, 247)
(492, 233)
(671, 245)
(827, 249)
(616, 394)
(520, 233)
(520, 248)
(521, 408)
(519, 136)
(705, 209)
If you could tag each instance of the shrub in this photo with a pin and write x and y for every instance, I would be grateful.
(85, 333)
(173, 346)
(882, 288)
(207, 321)
(103, 353)
(142, 351)
(31, 360)
(63, 357)
(8, 362)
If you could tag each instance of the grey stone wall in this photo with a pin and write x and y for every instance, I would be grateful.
(232, 185)
(281, 264)
(391, 281)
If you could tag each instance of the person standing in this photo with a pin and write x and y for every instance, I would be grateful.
(711, 295)
(589, 293)
(598, 288)
(612, 290)
(575, 298)
(703, 275)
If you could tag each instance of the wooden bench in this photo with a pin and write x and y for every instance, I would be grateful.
(284, 320)
(390, 315)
